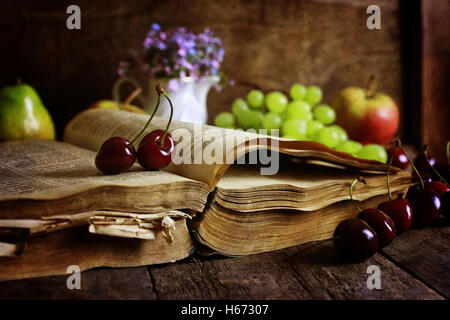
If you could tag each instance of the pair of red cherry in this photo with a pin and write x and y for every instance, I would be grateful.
(361, 237)
(154, 152)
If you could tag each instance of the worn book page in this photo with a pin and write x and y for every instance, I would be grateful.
(65, 175)
(211, 150)
(301, 186)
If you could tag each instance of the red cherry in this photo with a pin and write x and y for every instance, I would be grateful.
(426, 206)
(153, 155)
(438, 187)
(115, 155)
(399, 159)
(381, 223)
(400, 211)
(355, 239)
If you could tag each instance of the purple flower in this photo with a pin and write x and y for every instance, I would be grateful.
(176, 53)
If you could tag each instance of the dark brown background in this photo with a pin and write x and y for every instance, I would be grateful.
(271, 44)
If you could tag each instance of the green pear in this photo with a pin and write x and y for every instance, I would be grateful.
(22, 115)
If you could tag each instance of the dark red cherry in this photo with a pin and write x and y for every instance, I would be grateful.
(438, 187)
(115, 155)
(426, 206)
(381, 223)
(422, 165)
(445, 204)
(400, 211)
(153, 155)
(355, 239)
(399, 159)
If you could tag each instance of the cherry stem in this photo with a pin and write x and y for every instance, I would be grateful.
(359, 179)
(161, 91)
(448, 152)
(149, 120)
(18, 81)
(411, 163)
(432, 167)
(389, 169)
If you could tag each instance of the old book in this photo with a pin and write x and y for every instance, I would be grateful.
(51, 186)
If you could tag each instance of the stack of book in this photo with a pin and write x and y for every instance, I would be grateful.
(57, 209)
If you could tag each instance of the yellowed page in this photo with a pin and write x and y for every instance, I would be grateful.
(299, 186)
(44, 170)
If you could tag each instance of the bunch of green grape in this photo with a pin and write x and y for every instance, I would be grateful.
(302, 117)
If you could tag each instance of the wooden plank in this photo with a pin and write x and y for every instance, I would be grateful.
(293, 273)
(435, 75)
(123, 283)
(425, 253)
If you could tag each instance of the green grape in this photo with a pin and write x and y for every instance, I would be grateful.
(343, 136)
(259, 117)
(297, 91)
(238, 106)
(255, 99)
(373, 152)
(313, 127)
(349, 146)
(247, 119)
(327, 136)
(225, 120)
(276, 102)
(271, 121)
(298, 109)
(313, 95)
(295, 127)
(324, 114)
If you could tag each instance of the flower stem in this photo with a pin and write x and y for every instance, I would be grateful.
(359, 179)
(148, 121)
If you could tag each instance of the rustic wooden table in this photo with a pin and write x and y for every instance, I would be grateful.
(415, 266)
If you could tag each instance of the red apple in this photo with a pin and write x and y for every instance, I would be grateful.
(367, 117)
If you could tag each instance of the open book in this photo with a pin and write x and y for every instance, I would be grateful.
(51, 186)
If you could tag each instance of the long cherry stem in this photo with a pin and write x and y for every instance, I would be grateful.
(448, 152)
(149, 120)
(163, 92)
(359, 179)
(389, 169)
(432, 167)
(411, 163)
